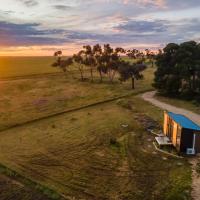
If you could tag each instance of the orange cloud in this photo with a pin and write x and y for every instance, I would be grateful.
(68, 49)
(159, 3)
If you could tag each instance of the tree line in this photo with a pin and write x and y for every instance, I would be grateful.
(107, 62)
(178, 70)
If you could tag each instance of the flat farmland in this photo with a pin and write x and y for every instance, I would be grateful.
(26, 99)
(73, 154)
(94, 153)
(22, 66)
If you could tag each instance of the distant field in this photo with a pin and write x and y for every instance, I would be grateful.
(22, 66)
(28, 99)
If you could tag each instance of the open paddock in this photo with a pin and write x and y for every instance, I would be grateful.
(73, 154)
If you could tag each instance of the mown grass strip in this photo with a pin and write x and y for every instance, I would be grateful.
(31, 76)
(30, 183)
(72, 110)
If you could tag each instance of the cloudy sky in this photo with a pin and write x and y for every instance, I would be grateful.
(33, 27)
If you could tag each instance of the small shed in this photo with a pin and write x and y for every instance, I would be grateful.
(183, 133)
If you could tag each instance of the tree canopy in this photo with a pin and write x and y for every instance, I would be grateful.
(107, 61)
(178, 70)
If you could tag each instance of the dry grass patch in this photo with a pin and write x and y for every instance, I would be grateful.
(73, 155)
(28, 99)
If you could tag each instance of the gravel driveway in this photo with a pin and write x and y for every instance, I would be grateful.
(149, 96)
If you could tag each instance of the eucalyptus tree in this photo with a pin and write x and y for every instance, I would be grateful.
(79, 61)
(132, 53)
(110, 60)
(89, 59)
(63, 64)
(150, 55)
(97, 52)
(131, 71)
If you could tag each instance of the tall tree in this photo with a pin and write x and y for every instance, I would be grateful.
(97, 53)
(79, 62)
(129, 70)
(110, 60)
(178, 69)
(63, 64)
(132, 53)
(89, 59)
(150, 55)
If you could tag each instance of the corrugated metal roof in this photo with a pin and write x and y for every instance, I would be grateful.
(184, 121)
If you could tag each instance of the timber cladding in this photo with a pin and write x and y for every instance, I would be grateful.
(183, 133)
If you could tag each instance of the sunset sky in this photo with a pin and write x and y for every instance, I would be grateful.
(33, 27)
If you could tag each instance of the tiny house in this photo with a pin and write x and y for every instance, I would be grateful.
(183, 133)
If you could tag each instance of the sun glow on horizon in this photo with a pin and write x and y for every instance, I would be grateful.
(67, 50)
(38, 50)
(38, 28)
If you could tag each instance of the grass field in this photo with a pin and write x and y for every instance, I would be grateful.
(73, 155)
(27, 66)
(26, 99)
(11, 189)
(99, 152)
(22, 66)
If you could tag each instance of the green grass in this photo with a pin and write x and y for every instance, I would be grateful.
(13, 184)
(27, 99)
(72, 154)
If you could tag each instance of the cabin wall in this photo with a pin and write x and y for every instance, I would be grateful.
(175, 127)
(165, 123)
(197, 143)
(168, 126)
(186, 140)
(178, 137)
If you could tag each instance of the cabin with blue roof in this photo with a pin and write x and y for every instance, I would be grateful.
(183, 133)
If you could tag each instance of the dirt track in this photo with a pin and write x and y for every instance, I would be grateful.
(149, 96)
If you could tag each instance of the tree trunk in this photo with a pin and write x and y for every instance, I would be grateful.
(152, 63)
(113, 75)
(193, 80)
(101, 77)
(190, 84)
(133, 82)
(82, 78)
(91, 73)
(110, 76)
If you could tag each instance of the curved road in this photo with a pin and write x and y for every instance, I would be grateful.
(149, 96)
